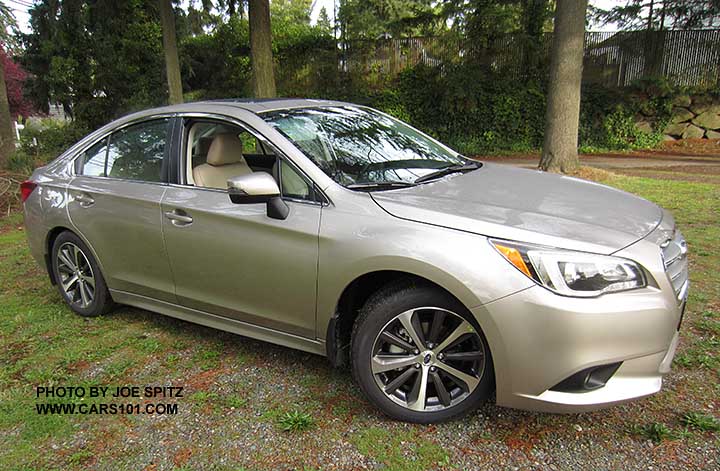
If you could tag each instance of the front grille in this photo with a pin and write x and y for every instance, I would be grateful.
(674, 253)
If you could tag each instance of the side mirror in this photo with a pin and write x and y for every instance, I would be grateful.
(258, 187)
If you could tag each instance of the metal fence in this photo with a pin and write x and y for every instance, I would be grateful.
(615, 59)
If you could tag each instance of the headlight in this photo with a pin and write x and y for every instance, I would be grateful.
(572, 273)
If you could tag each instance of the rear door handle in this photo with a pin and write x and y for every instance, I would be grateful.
(85, 200)
(178, 218)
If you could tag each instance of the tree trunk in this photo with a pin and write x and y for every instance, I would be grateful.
(563, 103)
(172, 64)
(263, 78)
(650, 15)
(650, 49)
(7, 131)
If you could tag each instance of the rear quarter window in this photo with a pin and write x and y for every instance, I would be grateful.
(94, 160)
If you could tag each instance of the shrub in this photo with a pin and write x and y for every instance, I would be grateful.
(50, 137)
(477, 113)
(22, 162)
(218, 63)
(390, 102)
(474, 115)
(622, 133)
(42, 141)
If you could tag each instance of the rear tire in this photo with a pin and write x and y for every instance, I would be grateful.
(441, 365)
(78, 277)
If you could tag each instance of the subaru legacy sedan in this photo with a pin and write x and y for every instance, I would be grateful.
(338, 230)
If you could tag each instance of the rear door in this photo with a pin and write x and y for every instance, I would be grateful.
(114, 203)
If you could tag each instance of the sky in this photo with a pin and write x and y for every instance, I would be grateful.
(21, 7)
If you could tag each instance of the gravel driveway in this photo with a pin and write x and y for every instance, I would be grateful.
(237, 391)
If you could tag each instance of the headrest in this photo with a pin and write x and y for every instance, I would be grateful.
(225, 149)
(203, 145)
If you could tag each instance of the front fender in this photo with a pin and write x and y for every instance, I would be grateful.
(464, 264)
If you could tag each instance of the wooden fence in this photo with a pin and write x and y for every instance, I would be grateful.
(616, 59)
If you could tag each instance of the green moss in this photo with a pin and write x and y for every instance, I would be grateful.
(399, 450)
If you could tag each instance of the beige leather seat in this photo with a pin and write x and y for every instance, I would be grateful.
(200, 151)
(224, 160)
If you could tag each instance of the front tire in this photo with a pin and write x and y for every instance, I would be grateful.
(78, 277)
(419, 356)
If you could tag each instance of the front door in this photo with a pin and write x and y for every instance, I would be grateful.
(232, 259)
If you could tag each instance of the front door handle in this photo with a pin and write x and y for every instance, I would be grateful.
(85, 200)
(179, 218)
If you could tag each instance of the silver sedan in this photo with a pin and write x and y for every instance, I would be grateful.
(338, 230)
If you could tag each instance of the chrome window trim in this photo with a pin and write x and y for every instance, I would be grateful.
(220, 190)
(121, 180)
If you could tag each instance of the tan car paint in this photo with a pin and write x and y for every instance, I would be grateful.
(234, 261)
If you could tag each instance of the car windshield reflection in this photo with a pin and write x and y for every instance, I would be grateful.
(358, 147)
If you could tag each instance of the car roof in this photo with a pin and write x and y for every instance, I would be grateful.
(253, 105)
(268, 104)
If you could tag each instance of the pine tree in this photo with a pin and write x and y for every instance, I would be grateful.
(323, 21)
(172, 63)
(562, 117)
(263, 77)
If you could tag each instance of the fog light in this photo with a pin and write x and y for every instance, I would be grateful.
(588, 379)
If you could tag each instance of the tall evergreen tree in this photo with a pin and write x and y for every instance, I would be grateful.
(172, 63)
(291, 11)
(662, 14)
(559, 153)
(323, 21)
(7, 133)
(100, 58)
(263, 76)
(370, 19)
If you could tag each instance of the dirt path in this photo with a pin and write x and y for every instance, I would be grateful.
(695, 168)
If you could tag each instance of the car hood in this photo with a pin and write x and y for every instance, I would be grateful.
(528, 206)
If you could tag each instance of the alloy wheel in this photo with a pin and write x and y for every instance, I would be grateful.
(76, 275)
(428, 359)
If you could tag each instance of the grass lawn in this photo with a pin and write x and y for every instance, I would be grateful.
(251, 405)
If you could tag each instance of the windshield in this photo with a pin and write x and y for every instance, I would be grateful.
(357, 146)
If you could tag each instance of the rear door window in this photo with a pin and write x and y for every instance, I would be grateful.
(136, 153)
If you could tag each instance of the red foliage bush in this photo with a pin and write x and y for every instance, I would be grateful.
(14, 80)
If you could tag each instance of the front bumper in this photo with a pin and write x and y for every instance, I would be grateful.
(635, 378)
(538, 339)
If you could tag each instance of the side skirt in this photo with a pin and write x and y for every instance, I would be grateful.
(221, 323)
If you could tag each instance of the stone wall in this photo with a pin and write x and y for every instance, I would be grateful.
(693, 117)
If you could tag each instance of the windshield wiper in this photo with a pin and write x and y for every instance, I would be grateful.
(459, 168)
(384, 185)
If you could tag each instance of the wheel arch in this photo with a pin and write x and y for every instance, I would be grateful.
(50, 238)
(354, 296)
